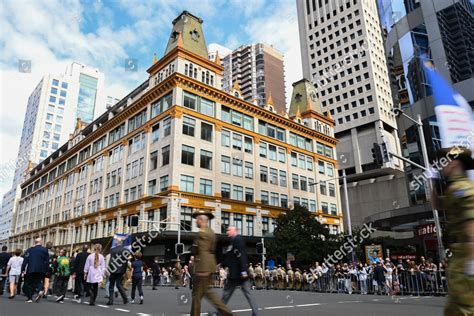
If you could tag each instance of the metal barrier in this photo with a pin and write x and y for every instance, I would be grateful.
(404, 283)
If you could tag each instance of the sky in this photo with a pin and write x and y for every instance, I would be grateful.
(104, 33)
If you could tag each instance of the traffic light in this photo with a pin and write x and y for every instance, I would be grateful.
(133, 220)
(260, 249)
(377, 155)
(179, 248)
(386, 156)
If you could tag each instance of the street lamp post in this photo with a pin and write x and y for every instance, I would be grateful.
(429, 184)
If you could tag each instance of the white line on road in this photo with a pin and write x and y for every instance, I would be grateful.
(142, 314)
(241, 310)
(347, 302)
(122, 310)
(104, 306)
(312, 304)
(279, 307)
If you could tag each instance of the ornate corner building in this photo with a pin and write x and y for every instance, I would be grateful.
(178, 143)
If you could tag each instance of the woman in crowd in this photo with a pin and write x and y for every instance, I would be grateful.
(362, 275)
(14, 271)
(93, 271)
(137, 274)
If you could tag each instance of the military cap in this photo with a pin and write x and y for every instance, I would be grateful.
(203, 212)
(462, 154)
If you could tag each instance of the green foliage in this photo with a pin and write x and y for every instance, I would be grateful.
(299, 232)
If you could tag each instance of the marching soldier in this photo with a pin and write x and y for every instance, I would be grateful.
(284, 279)
(251, 275)
(177, 273)
(268, 278)
(298, 279)
(274, 278)
(204, 265)
(258, 277)
(459, 207)
(291, 278)
(305, 281)
(279, 275)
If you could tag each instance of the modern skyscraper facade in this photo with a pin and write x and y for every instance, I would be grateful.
(53, 108)
(258, 70)
(443, 32)
(343, 55)
(178, 143)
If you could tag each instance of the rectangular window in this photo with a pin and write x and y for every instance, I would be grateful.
(206, 132)
(281, 155)
(225, 138)
(311, 185)
(225, 164)
(274, 199)
(303, 184)
(237, 167)
(321, 166)
(165, 155)
(330, 169)
(155, 132)
(322, 187)
(272, 152)
(167, 126)
(187, 155)
(309, 163)
(206, 159)
(154, 160)
(264, 197)
(248, 170)
(295, 181)
(273, 176)
(301, 162)
(225, 190)
(263, 174)
(312, 206)
(249, 195)
(324, 207)
(189, 126)
(238, 192)
(294, 159)
(248, 146)
(333, 209)
(332, 189)
(164, 183)
(187, 183)
(263, 149)
(284, 200)
(283, 178)
(236, 141)
(250, 225)
(206, 107)
(205, 187)
(190, 100)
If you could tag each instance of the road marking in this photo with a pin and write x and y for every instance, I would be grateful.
(241, 310)
(122, 310)
(142, 314)
(312, 304)
(347, 302)
(104, 306)
(279, 307)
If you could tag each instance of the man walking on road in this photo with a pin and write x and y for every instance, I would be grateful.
(4, 257)
(236, 261)
(34, 268)
(155, 273)
(204, 265)
(117, 267)
(78, 270)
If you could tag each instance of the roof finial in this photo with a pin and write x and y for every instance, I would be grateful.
(217, 59)
(154, 58)
(270, 99)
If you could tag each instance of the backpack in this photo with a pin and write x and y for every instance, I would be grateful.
(64, 268)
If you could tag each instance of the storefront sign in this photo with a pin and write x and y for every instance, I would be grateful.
(427, 229)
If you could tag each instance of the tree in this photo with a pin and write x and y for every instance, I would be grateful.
(299, 232)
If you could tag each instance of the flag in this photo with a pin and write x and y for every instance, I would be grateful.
(453, 113)
(126, 240)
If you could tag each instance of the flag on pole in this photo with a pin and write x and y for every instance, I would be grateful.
(453, 113)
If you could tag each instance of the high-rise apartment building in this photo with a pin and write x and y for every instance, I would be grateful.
(259, 72)
(343, 55)
(179, 143)
(53, 109)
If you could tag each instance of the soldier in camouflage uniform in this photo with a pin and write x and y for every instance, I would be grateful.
(298, 279)
(459, 206)
(258, 277)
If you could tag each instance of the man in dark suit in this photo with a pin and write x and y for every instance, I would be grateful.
(379, 276)
(34, 268)
(78, 270)
(236, 261)
(117, 267)
(155, 273)
(204, 265)
(4, 257)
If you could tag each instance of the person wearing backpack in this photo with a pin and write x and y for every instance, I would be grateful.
(63, 272)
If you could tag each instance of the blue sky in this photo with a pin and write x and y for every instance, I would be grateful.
(103, 33)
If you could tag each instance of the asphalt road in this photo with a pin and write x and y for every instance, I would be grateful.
(169, 301)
